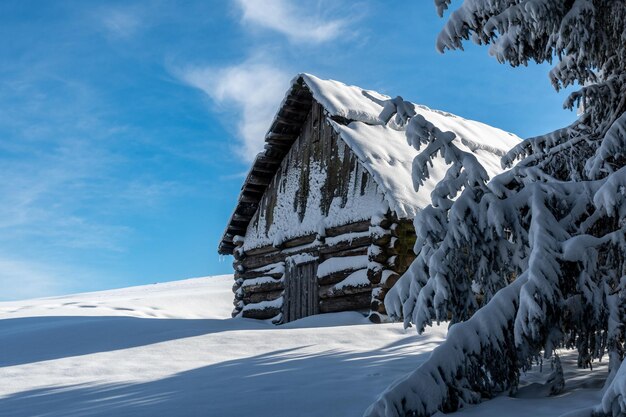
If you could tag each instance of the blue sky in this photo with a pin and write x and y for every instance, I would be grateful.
(126, 127)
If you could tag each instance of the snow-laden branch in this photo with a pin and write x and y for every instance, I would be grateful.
(549, 231)
(477, 359)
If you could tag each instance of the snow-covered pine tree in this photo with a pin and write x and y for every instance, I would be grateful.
(549, 233)
(452, 292)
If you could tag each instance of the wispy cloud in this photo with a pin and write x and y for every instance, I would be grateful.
(120, 23)
(21, 279)
(236, 176)
(299, 21)
(249, 93)
(67, 190)
(50, 181)
(253, 89)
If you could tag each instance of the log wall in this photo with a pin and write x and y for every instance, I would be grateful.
(333, 259)
(392, 254)
(320, 184)
(379, 256)
(261, 277)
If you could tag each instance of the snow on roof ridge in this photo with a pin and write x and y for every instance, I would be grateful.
(315, 85)
(348, 101)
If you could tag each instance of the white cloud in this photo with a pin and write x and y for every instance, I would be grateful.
(48, 195)
(254, 89)
(120, 23)
(66, 181)
(295, 20)
(21, 279)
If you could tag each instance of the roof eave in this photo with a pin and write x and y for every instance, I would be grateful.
(284, 130)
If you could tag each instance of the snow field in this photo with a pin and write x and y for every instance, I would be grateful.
(170, 350)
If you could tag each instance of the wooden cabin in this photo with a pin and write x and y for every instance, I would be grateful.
(324, 220)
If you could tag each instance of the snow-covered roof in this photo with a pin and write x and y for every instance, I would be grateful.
(383, 148)
(359, 117)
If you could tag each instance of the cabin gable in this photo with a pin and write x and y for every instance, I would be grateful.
(320, 184)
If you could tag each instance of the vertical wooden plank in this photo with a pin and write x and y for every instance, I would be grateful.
(298, 294)
(288, 298)
(286, 295)
(306, 276)
(312, 288)
(308, 292)
(292, 310)
(301, 299)
(294, 301)
(301, 291)
(305, 294)
(291, 281)
(307, 284)
(315, 292)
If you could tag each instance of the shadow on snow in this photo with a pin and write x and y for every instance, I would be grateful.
(285, 382)
(35, 339)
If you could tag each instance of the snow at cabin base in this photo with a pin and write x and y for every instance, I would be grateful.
(170, 350)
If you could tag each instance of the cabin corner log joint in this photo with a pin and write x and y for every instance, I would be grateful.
(323, 222)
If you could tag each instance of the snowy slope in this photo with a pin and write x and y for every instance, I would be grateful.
(169, 350)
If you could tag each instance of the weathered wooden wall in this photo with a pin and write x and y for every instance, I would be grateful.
(317, 210)
(261, 274)
(320, 183)
(301, 296)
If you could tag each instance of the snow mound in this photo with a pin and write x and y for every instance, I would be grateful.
(176, 299)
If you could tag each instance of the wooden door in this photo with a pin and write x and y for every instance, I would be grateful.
(301, 297)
